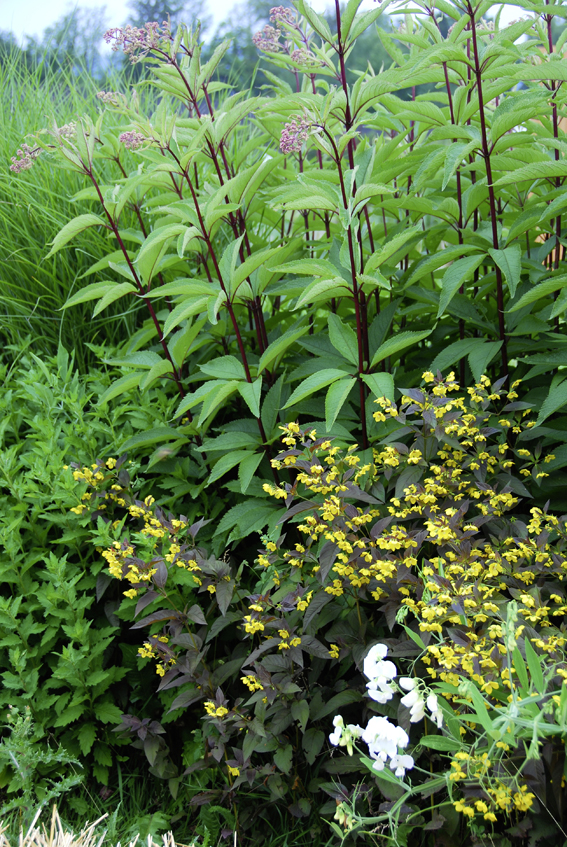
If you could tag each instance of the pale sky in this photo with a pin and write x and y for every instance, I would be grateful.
(31, 17)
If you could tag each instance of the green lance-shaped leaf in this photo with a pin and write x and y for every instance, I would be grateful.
(251, 393)
(343, 338)
(559, 306)
(455, 155)
(431, 263)
(157, 435)
(540, 291)
(279, 346)
(73, 228)
(115, 293)
(225, 367)
(196, 397)
(314, 383)
(536, 170)
(216, 398)
(391, 247)
(159, 369)
(396, 343)
(453, 353)
(335, 400)
(227, 462)
(362, 22)
(481, 356)
(454, 277)
(121, 386)
(186, 309)
(534, 665)
(318, 23)
(227, 264)
(311, 267)
(247, 468)
(183, 340)
(94, 291)
(381, 385)
(323, 289)
(509, 261)
(556, 399)
(158, 237)
(250, 264)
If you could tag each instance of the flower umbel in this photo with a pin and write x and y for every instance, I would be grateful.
(24, 158)
(132, 140)
(294, 134)
(137, 42)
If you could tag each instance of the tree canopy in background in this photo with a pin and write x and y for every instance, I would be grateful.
(186, 11)
(75, 40)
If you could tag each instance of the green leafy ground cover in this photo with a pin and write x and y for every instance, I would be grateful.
(230, 266)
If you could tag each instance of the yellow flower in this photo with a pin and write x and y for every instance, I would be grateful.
(215, 711)
(233, 771)
(334, 651)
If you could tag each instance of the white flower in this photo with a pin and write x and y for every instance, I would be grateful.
(407, 683)
(432, 703)
(335, 736)
(400, 764)
(373, 659)
(433, 706)
(344, 736)
(379, 691)
(414, 702)
(417, 711)
(384, 738)
(409, 700)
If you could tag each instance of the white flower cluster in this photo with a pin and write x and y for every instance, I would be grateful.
(385, 740)
(382, 687)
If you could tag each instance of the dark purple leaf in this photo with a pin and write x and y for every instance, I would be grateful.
(156, 617)
(327, 559)
(145, 600)
(357, 493)
(151, 748)
(314, 647)
(304, 506)
(224, 594)
(379, 527)
(103, 580)
(196, 615)
(317, 603)
(160, 576)
(186, 698)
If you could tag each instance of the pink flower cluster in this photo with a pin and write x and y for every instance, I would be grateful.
(67, 130)
(27, 156)
(268, 39)
(304, 57)
(137, 42)
(111, 98)
(132, 140)
(279, 14)
(294, 134)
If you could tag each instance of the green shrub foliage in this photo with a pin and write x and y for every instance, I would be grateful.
(421, 544)
(302, 251)
(63, 651)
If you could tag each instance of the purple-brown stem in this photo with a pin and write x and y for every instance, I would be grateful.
(140, 287)
(491, 196)
(357, 310)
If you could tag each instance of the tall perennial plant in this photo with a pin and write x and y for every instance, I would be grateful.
(410, 219)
